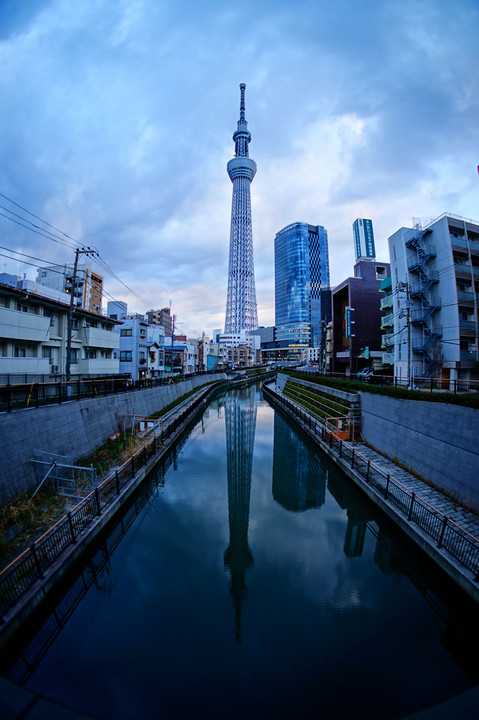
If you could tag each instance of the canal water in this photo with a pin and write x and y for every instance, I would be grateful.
(249, 579)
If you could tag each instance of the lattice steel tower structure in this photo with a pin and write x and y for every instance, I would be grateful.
(241, 311)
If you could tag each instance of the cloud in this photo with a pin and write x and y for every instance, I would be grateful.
(118, 119)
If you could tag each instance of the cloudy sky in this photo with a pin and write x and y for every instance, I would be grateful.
(117, 117)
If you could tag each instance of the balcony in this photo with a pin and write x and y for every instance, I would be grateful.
(387, 321)
(472, 355)
(463, 271)
(465, 298)
(387, 302)
(467, 328)
(459, 242)
(23, 327)
(27, 366)
(98, 367)
(388, 358)
(99, 338)
(387, 340)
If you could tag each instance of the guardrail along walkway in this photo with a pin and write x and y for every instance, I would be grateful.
(443, 524)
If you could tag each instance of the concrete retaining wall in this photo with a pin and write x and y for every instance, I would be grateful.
(435, 440)
(74, 428)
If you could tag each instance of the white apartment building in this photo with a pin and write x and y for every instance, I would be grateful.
(141, 351)
(88, 283)
(156, 350)
(251, 342)
(435, 283)
(34, 331)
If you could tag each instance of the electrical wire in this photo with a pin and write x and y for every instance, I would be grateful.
(74, 244)
(38, 218)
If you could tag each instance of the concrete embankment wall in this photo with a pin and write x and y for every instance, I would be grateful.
(435, 440)
(74, 428)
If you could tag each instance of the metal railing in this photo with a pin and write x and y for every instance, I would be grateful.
(447, 534)
(32, 565)
(34, 394)
(427, 384)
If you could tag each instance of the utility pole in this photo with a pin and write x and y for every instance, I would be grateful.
(78, 251)
(404, 286)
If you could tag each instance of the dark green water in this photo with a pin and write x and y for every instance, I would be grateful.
(250, 579)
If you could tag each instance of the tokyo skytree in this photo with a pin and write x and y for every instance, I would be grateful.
(241, 311)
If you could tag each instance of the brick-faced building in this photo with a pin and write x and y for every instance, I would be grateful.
(357, 317)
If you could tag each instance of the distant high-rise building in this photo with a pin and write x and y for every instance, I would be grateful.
(302, 291)
(364, 240)
(241, 310)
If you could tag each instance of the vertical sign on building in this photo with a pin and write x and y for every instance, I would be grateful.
(364, 240)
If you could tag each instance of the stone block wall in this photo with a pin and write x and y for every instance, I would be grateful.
(74, 428)
(435, 440)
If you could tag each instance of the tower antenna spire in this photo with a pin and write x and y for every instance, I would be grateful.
(241, 309)
(242, 101)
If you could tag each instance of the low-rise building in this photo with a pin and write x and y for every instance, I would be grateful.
(34, 335)
(141, 352)
(357, 317)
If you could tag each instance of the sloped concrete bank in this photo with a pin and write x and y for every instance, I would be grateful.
(75, 428)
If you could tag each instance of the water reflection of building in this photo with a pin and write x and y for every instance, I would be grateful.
(299, 481)
(240, 420)
(357, 516)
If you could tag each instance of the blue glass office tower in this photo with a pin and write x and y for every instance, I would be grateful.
(302, 292)
(241, 310)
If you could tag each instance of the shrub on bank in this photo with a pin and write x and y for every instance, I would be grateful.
(401, 393)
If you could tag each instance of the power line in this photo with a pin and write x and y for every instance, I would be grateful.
(38, 218)
(50, 236)
(37, 232)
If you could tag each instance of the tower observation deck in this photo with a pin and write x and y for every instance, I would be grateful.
(241, 311)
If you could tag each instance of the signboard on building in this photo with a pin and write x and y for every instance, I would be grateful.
(364, 239)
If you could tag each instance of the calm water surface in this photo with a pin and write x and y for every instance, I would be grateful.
(250, 579)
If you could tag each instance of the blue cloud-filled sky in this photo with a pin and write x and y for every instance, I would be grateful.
(117, 118)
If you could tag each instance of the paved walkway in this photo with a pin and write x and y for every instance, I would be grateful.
(467, 519)
(426, 535)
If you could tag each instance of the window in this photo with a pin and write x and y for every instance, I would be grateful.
(125, 356)
(126, 332)
(19, 352)
(74, 356)
(47, 352)
(90, 354)
(22, 308)
(142, 333)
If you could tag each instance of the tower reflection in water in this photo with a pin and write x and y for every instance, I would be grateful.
(240, 421)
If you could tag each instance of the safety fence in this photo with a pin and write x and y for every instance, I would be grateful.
(18, 396)
(417, 383)
(32, 565)
(447, 534)
(20, 668)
